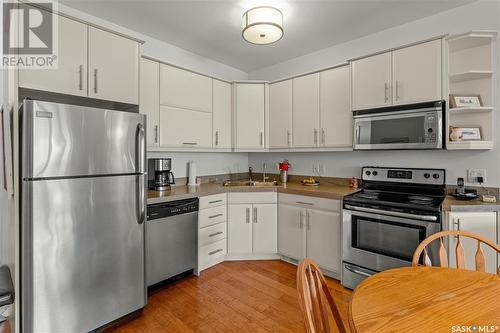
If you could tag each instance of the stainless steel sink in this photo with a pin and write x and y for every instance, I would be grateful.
(240, 183)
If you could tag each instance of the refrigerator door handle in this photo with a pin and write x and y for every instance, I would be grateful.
(140, 153)
(141, 192)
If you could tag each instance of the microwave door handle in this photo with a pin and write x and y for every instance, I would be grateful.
(358, 133)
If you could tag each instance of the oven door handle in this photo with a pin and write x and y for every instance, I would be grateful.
(396, 214)
(355, 271)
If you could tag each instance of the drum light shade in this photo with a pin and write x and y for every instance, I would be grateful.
(262, 25)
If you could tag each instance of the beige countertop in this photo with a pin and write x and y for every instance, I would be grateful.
(329, 190)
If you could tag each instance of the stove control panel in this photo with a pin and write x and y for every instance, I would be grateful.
(404, 175)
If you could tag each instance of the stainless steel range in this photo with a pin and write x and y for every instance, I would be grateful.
(384, 222)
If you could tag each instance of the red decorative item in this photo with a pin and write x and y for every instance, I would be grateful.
(354, 182)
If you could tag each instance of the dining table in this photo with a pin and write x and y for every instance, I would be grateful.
(426, 299)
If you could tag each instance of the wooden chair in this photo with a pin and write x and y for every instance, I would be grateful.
(459, 250)
(313, 291)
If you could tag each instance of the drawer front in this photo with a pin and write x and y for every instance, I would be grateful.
(211, 216)
(310, 202)
(212, 253)
(212, 234)
(213, 200)
(253, 198)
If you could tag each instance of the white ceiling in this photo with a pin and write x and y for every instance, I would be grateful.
(213, 28)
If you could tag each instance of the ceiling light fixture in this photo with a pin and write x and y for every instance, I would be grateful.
(262, 25)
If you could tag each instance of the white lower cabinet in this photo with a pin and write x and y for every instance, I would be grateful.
(481, 223)
(310, 227)
(212, 231)
(252, 226)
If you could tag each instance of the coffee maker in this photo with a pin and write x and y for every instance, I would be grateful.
(159, 175)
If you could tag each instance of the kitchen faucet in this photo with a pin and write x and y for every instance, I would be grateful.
(264, 178)
(250, 172)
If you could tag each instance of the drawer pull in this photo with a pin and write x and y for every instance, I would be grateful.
(214, 252)
(215, 234)
(215, 201)
(214, 216)
(304, 203)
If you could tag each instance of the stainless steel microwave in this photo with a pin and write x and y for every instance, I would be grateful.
(415, 126)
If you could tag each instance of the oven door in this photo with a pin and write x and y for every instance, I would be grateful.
(378, 241)
(399, 130)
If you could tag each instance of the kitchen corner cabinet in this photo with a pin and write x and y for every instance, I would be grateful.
(310, 227)
(335, 111)
(250, 113)
(70, 77)
(306, 111)
(406, 75)
(113, 67)
(252, 224)
(222, 116)
(481, 223)
(280, 114)
(150, 99)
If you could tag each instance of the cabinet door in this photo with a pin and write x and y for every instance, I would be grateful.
(335, 111)
(221, 114)
(250, 111)
(265, 228)
(280, 114)
(149, 102)
(417, 73)
(306, 111)
(291, 231)
(484, 224)
(371, 81)
(185, 128)
(184, 89)
(70, 77)
(113, 67)
(323, 239)
(239, 229)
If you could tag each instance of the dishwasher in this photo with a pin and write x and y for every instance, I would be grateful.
(171, 239)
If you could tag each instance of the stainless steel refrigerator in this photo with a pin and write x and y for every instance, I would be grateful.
(83, 213)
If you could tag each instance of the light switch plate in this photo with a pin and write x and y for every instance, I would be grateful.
(473, 174)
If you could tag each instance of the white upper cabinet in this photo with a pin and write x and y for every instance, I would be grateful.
(306, 111)
(417, 73)
(280, 114)
(70, 77)
(335, 111)
(249, 115)
(221, 114)
(185, 128)
(150, 99)
(371, 81)
(113, 67)
(184, 89)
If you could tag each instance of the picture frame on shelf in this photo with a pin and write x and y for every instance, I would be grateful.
(465, 100)
(472, 133)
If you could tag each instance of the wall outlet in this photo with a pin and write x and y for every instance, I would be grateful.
(315, 168)
(321, 169)
(474, 174)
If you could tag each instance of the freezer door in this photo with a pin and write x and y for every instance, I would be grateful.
(82, 252)
(60, 140)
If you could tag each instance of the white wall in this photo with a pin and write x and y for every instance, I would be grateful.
(481, 15)
(206, 163)
(164, 51)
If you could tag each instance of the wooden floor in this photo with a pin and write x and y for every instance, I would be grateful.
(238, 296)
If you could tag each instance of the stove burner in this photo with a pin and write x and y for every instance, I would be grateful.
(420, 200)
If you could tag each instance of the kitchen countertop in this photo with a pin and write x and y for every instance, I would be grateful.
(325, 190)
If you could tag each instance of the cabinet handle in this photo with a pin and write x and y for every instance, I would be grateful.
(247, 215)
(315, 136)
(456, 223)
(156, 133)
(190, 143)
(214, 252)
(216, 138)
(261, 138)
(255, 215)
(215, 234)
(323, 136)
(80, 73)
(386, 89)
(308, 221)
(304, 203)
(214, 216)
(95, 80)
(215, 201)
(397, 94)
(288, 138)
(301, 220)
